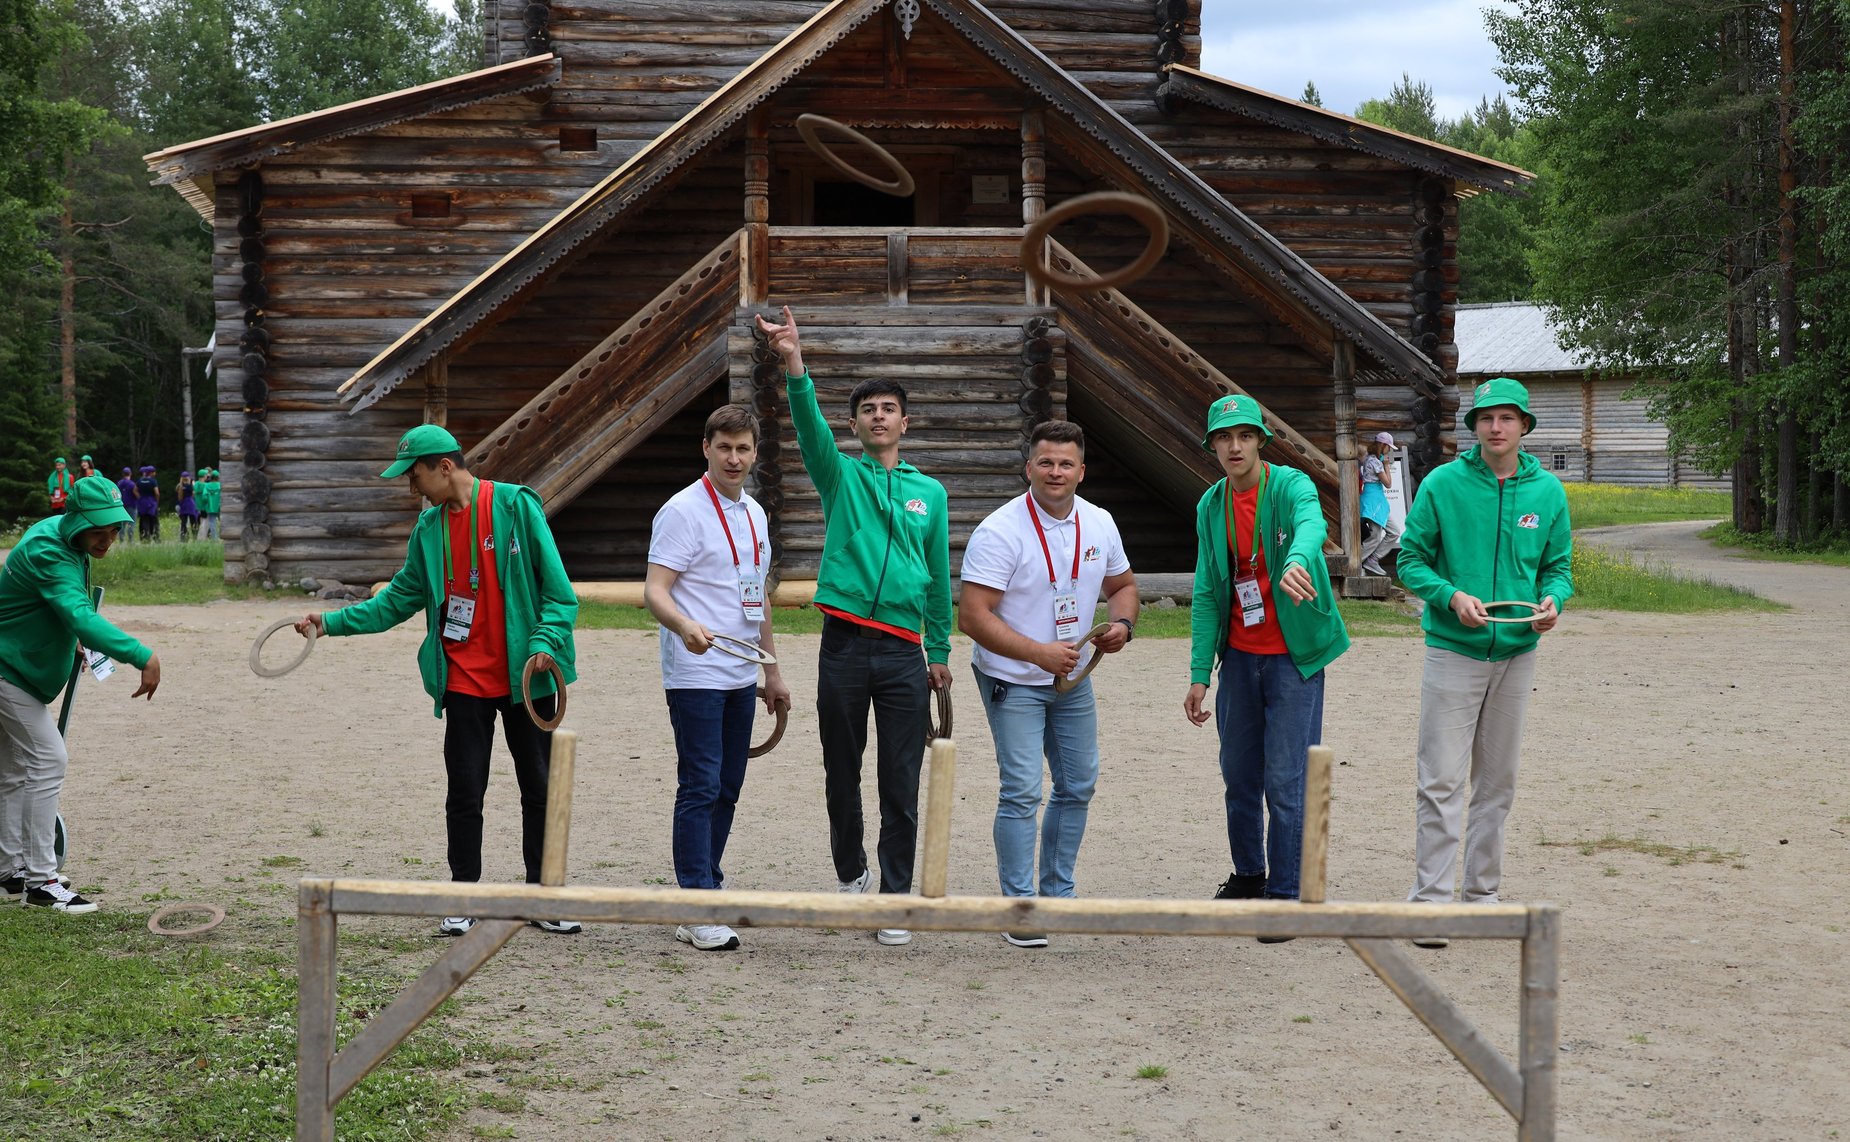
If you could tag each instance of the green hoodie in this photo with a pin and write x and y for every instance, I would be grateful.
(539, 605)
(1467, 533)
(45, 609)
(1313, 630)
(886, 547)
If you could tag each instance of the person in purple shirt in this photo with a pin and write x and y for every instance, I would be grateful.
(148, 504)
(126, 485)
(188, 507)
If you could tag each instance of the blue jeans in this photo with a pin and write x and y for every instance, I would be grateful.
(712, 736)
(1028, 722)
(1269, 716)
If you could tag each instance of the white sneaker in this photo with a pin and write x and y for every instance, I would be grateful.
(563, 927)
(58, 898)
(708, 937)
(893, 937)
(455, 925)
(861, 883)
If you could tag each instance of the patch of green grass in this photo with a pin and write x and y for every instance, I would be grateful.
(1608, 582)
(1674, 854)
(107, 1032)
(1603, 505)
(1834, 551)
(143, 574)
(1300, 1019)
(1152, 1071)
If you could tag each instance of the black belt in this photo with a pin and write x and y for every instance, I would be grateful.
(858, 629)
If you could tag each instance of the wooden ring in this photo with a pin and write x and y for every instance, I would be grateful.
(943, 727)
(1535, 611)
(1144, 210)
(526, 694)
(777, 731)
(262, 671)
(1061, 683)
(159, 929)
(902, 185)
(757, 657)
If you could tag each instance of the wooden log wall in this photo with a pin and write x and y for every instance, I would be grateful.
(843, 265)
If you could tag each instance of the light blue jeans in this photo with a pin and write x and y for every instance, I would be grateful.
(1029, 723)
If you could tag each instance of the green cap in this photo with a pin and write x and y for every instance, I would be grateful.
(424, 440)
(87, 458)
(59, 460)
(98, 501)
(1227, 411)
(1498, 391)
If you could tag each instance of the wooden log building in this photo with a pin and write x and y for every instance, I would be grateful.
(558, 257)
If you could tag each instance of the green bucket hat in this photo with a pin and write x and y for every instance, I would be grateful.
(1234, 409)
(424, 440)
(98, 501)
(1498, 391)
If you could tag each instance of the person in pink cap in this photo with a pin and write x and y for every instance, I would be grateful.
(1379, 535)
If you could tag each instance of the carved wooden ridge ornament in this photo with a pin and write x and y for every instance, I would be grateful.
(526, 693)
(1139, 208)
(908, 13)
(900, 186)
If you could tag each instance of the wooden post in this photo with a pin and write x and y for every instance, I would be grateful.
(1540, 1032)
(897, 270)
(558, 807)
(755, 269)
(316, 934)
(938, 799)
(1315, 856)
(1033, 183)
(437, 390)
(1348, 475)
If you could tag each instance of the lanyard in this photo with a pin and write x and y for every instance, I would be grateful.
(1265, 473)
(1048, 553)
(719, 511)
(475, 546)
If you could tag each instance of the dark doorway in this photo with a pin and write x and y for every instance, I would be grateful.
(851, 204)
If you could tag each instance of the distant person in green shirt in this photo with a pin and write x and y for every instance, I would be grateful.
(208, 501)
(46, 619)
(58, 486)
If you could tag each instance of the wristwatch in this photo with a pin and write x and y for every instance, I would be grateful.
(1130, 628)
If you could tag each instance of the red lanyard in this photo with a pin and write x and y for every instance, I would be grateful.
(752, 523)
(1265, 472)
(1047, 552)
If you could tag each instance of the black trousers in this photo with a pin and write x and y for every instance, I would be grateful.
(889, 674)
(468, 739)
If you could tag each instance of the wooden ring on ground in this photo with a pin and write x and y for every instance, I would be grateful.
(942, 729)
(757, 657)
(159, 929)
(262, 671)
(901, 186)
(1535, 611)
(777, 731)
(1141, 209)
(526, 694)
(1061, 683)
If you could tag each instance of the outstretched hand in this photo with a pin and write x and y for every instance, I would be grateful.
(784, 341)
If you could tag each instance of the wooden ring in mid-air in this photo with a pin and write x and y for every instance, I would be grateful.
(1535, 611)
(215, 913)
(526, 694)
(750, 652)
(257, 666)
(1061, 683)
(941, 728)
(1143, 210)
(900, 186)
(777, 732)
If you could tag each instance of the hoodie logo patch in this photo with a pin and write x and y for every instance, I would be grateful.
(916, 506)
(1529, 520)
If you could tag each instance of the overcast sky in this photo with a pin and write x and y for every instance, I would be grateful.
(1354, 49)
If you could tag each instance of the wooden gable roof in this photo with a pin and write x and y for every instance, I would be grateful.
(1289, 285)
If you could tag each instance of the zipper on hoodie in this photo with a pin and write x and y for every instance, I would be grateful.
(887, 557)
(1496, 557)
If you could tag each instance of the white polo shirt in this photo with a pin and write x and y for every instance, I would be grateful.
(1005, 554)
(687, 538)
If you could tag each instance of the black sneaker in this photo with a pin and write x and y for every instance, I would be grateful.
(1237, 887)
(57, 897)
(14, 886)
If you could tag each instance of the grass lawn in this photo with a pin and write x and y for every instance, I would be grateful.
(1602, 505)
(1607, 582)
(1835, 552)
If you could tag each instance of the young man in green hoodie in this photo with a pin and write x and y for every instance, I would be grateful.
(1263, 603)
(45, 616)
(482, 566)
(1490, 526)
(884, 590)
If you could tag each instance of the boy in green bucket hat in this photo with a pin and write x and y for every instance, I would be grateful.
(1264, 606)
(482, 566)
(1491, 526)
(45, 614)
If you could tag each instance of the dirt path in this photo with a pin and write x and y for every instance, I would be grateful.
(1701, 997)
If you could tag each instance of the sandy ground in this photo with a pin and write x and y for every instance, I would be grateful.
(1699, 999)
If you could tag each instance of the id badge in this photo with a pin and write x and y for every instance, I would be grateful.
(1065, 616)
(458, 617)
(751, 597)
(98, 664)
(1252, 603)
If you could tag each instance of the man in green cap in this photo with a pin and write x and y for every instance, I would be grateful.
(482, 566)
(1259, 534)
(58, 485)
(1489, 527)
(46, 619)
(208, 500)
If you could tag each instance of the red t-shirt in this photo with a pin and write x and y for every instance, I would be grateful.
(479, 666)
(1265, 638)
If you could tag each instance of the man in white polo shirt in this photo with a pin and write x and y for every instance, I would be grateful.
(1032, 575)
(709, 551)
